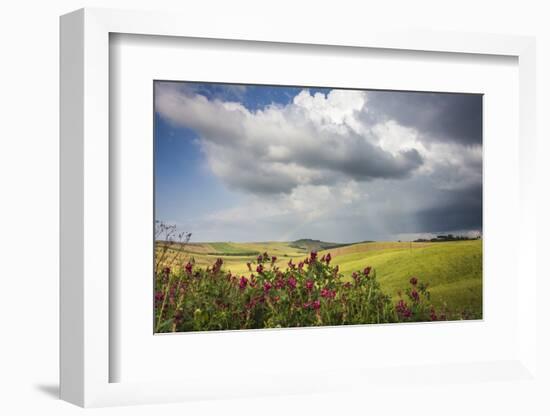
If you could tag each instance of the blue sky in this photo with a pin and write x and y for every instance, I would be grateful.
(263, 163)
(185, 189)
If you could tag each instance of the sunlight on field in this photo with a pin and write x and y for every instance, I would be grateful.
(453, 270)
(235, 255)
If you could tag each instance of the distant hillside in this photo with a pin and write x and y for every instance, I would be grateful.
(307, 244)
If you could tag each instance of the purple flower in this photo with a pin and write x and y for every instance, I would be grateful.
(313, 255)
(279, 283)
(291, 265)
(260, 259)
(328, 258)
(413, 281)
(367, 270)
(273, 259)
(159, 296)
(291, 283)
(189, 268)
(309, 284)
(402, 309)
(414, 295)
(327, 293)
(267, 287)
(300, 265)
(260, 268)
(312, 305)
(433, 315)
(249, 265)
(243, 282)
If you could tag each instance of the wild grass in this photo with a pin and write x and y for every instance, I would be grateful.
(452, 270)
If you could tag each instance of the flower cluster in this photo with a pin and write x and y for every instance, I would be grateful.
(416, 306)
(310, 292)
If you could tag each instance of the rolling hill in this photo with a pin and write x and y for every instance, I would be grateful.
(453, 270)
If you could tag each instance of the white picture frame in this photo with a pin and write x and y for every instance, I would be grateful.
(85, 354)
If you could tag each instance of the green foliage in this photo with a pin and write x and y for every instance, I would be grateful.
(311, 292)
(452, 269)
(229, 249)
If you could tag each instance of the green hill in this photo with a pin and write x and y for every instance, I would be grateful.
(307, 245)
(453, 270)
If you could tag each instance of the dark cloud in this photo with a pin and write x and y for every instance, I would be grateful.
(455, 210)
(355, 158)
(278, 149)
(439, 116)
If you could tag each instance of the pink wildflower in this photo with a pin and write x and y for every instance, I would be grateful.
(291, 283)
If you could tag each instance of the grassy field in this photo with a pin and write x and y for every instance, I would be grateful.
(453, 270)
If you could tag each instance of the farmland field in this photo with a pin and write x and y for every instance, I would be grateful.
(453, 270)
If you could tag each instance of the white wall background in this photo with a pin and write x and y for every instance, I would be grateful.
(29, 191)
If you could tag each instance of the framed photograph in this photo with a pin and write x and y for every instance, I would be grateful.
(280, 214)
(315, 206)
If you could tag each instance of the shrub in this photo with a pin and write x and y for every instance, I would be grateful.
(309, 293)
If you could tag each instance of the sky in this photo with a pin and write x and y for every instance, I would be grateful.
(273, 163)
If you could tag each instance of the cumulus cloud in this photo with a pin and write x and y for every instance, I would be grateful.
(353, 165)
(316, 139)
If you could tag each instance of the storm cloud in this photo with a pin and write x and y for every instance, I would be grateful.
(439, 116)
(345, 165)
